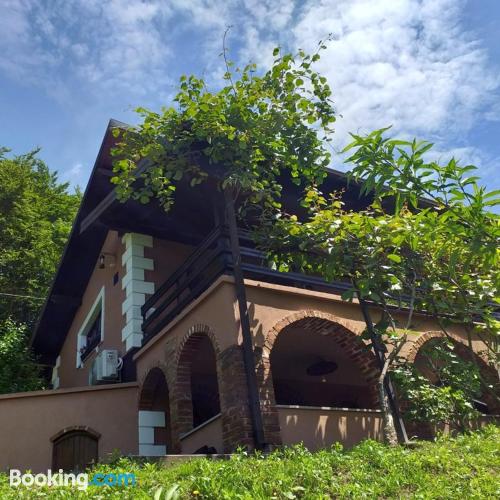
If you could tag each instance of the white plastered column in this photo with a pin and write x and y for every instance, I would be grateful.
(135, 286)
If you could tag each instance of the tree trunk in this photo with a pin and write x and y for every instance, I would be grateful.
(388, 427)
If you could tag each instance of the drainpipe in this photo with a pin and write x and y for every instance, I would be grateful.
(248, 351)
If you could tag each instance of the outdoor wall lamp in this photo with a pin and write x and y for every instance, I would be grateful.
(107, 260)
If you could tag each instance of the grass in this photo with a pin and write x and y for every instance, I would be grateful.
(465, 467)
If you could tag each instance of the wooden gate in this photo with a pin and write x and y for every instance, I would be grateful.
(74, 450)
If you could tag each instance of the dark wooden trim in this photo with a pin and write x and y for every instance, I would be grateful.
(248, 348)
(94, 215)
(108, 200)
(105, 172)
(66, 300)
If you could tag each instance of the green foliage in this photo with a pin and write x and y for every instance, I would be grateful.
(36, 213)
(439, 256)
(453, 248)
(246, 134)
(18, 372)
(463, 467)
(441, 391)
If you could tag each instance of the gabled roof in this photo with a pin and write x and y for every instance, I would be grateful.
(77, 262)
(191, 218)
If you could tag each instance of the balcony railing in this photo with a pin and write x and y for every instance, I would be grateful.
(211, 259)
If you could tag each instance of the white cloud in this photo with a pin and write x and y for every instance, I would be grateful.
(116, 43)
(408, 63)
(74, 175)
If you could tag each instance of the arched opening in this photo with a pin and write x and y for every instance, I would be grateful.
(431, 359)
(74, 450)
(315, 362)
(197, 393)
(154, 415)
(197, 383)
(204, 384)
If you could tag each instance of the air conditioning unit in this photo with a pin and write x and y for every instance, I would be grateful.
(106, 366)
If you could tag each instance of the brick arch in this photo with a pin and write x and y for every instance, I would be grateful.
(347, 337)
(76, 428)
(194, 334)
(154, 396)
(187, 348)
(488, 373)
(330, 325)
(422, 339)
(147, 386)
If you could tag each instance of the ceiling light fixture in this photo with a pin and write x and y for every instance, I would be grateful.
(320, 368)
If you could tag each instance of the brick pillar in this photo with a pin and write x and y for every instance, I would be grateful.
(236, 420)
(272, 430)
(183, 398)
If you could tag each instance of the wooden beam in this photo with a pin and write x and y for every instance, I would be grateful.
(94, 215)
(248, 351)
(105, 172)
(108, 200)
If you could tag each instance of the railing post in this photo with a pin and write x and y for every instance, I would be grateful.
(248, 352)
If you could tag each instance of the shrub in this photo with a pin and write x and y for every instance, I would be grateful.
(464, 467)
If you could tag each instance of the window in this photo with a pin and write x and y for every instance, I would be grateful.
(93, 337)
(91, 332)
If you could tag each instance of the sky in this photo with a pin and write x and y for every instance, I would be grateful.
(429, 68)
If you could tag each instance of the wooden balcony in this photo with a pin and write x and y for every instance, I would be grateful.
(211, 259)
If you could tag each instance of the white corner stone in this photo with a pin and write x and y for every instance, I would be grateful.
(132, 341)
(146, 435)
(133, 300)
(152, 450)
(151, 418)
(138, 239)
(135, 286)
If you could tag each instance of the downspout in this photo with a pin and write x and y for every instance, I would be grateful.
(248, 352)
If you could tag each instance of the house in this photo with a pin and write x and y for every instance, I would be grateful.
(155, 347)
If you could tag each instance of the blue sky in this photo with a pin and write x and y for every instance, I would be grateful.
(431, 68)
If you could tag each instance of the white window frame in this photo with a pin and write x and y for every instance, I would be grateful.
(81, 338)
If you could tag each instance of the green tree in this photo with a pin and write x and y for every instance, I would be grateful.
(247, 134)
(18, 371)
(243, 138)
(442, 390)
(259, 127)
(437, 256)
(36, 214)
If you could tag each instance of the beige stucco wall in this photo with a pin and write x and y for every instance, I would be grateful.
(269, 304)
(167, 257)
(29, 420)
(69, 374)
(321, 427)
(216, 308)
(208, 434)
